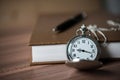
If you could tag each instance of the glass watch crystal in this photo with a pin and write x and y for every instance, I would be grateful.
(82, 48)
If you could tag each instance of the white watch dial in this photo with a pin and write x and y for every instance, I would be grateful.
(82, 48)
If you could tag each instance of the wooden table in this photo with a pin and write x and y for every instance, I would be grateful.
(15, 64)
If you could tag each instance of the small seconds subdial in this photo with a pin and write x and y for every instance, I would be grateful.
(82, 48)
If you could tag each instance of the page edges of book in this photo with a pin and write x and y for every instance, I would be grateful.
(46, 54)
(49, 53)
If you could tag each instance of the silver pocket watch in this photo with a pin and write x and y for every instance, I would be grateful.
(83, 51)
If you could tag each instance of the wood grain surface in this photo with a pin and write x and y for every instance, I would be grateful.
(15, 63)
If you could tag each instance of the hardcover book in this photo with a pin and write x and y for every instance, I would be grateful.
(50, 47)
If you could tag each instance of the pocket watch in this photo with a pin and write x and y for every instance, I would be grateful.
(83, 51)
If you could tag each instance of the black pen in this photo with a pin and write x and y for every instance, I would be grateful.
(70, 22)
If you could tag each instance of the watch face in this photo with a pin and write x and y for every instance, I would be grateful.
(82, 48)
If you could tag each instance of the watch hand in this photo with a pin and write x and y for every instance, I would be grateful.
(80, 50)
(88, 52)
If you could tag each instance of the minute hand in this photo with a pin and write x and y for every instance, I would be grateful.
(87, 52)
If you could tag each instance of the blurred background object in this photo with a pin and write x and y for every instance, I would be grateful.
(113, 6)
(22, 14)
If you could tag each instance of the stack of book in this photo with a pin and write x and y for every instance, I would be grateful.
(50, 47)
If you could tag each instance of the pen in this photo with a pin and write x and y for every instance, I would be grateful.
(69, 23)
